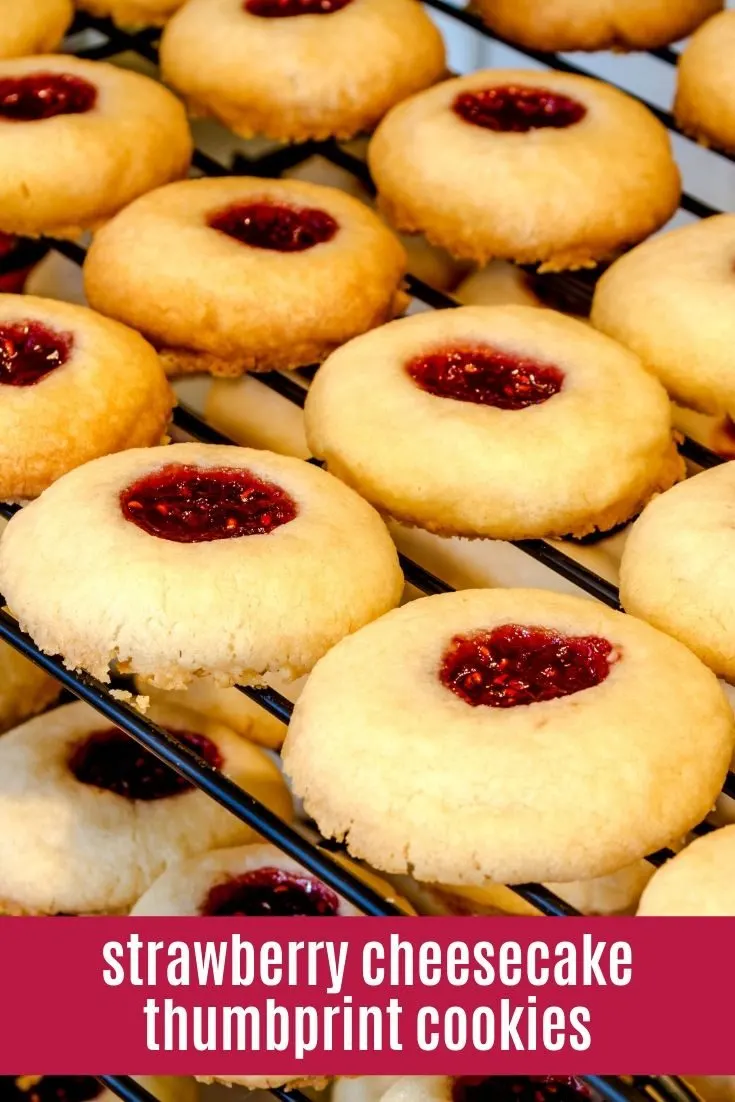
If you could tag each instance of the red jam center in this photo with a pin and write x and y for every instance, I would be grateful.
(514, 664)
(486, 377)
(515, 109)
(112, 760)
(279, 9)
(516, 1088)
(271, 891)
(275, 226)
(49, 1088)
(29, 351)
(197, 505)
(44, 95)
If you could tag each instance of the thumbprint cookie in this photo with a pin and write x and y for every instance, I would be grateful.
(88, 1088)
(705, 95)
(452, 739)
(35, 27)
(229, 275)
(58, 113)
(675, 572)
(537, 167)
(672, 302)
(504, 422)
(197, 560)
(132, 13)
(566, 25)
(89, 819)
(228, 706)
(73, 385)
(299, 69)
(24, 688)
(698, 882)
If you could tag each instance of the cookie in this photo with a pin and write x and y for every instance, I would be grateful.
(497, 284)
(132, 13)
(197, 560)
(300, 69)
(671, 301)
(537, 167)
(87, 1088)
(228, 706)
(565, 25)
(697, 882)
(430, 418)
(463, 724)
(230, 275)
(89, 819)
(500, 1088)
(705, 92)
(33, 28)
(73, 385)
(24, 688)
(81, 139)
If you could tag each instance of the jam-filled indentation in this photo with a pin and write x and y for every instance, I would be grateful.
(29, 351)
(281, 9)
(486, 376)
(199, 504)
(275, 226)
(518, 664)
(49, 1088)
(515, 109)
(517, 1088)
(271, 891)
(37, 96)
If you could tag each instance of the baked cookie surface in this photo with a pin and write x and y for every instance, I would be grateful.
(698, 882)
(705, 93)
(35, 27)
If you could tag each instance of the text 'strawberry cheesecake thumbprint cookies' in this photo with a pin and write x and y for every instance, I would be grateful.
(540, 168)
(299, 69)
(87, 1088)
(24, 688)
(90, 819)
(504, 422)
(698, 881)
(73, 385)
(231, 275)
(197, 560)
(59, 113)
(491, 696)
(132, 13)
(35, 27)
(705, 95)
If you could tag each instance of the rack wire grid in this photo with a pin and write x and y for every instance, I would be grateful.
(575, 291)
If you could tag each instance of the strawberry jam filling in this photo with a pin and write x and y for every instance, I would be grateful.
(112, 760)
(280, 9)
(38, 96)
(515, 664)
(487, 377)
(29, 351)
(49, 1088)
(517, 1088)
(198, 505)
(275, 226)
(513, 109)
(271, 891)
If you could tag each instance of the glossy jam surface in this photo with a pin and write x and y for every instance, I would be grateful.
(29, 351)
(198, 505)
(271, 891)
(37, 96)
(275, 226)
(516, 1088)
(514, 109)
(281, 9)
(486, 376)
(112, 760)
(517, 664)
(49, 1088)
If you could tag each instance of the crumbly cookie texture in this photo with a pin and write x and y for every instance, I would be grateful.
(705, 94)
(132, 13)
(697, 882)
(561, 198)
(24, 688)
(486, 784)
(306, 77)
(33, 28)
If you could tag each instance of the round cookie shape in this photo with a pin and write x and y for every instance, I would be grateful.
(35, 28)
(704, 106)
(697, 882)
(303, 70)
(488, 781)
(59, 112)
(24, 688)
(229, 275)
(671, 301)
(566, 25)
(73, 386)
(540, 168)
(232, 609)
(430, 419)
(132, 13)
(108, 816)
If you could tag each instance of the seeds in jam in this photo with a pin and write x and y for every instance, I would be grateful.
(37, 96)
(517, 1088)
(198, 505)
(275, 226)
(486, 376)
(29, 351)
(515, 664)
(49, 1088)
(514, 109)
(280, 9)
(274, 892)
(112, 760)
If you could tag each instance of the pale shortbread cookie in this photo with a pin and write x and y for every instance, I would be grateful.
(565, 25)
(472, 466)
(698, 882)
(73, 846)
(172, 608)
(327, 73)
(705, 94)
(130, 134)
(211, 302)
(33, 26)
(132, 13)
(497, 284)
(24, 688)
(519, 791)
(672, 302)
(108, 391)
(228, 706)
